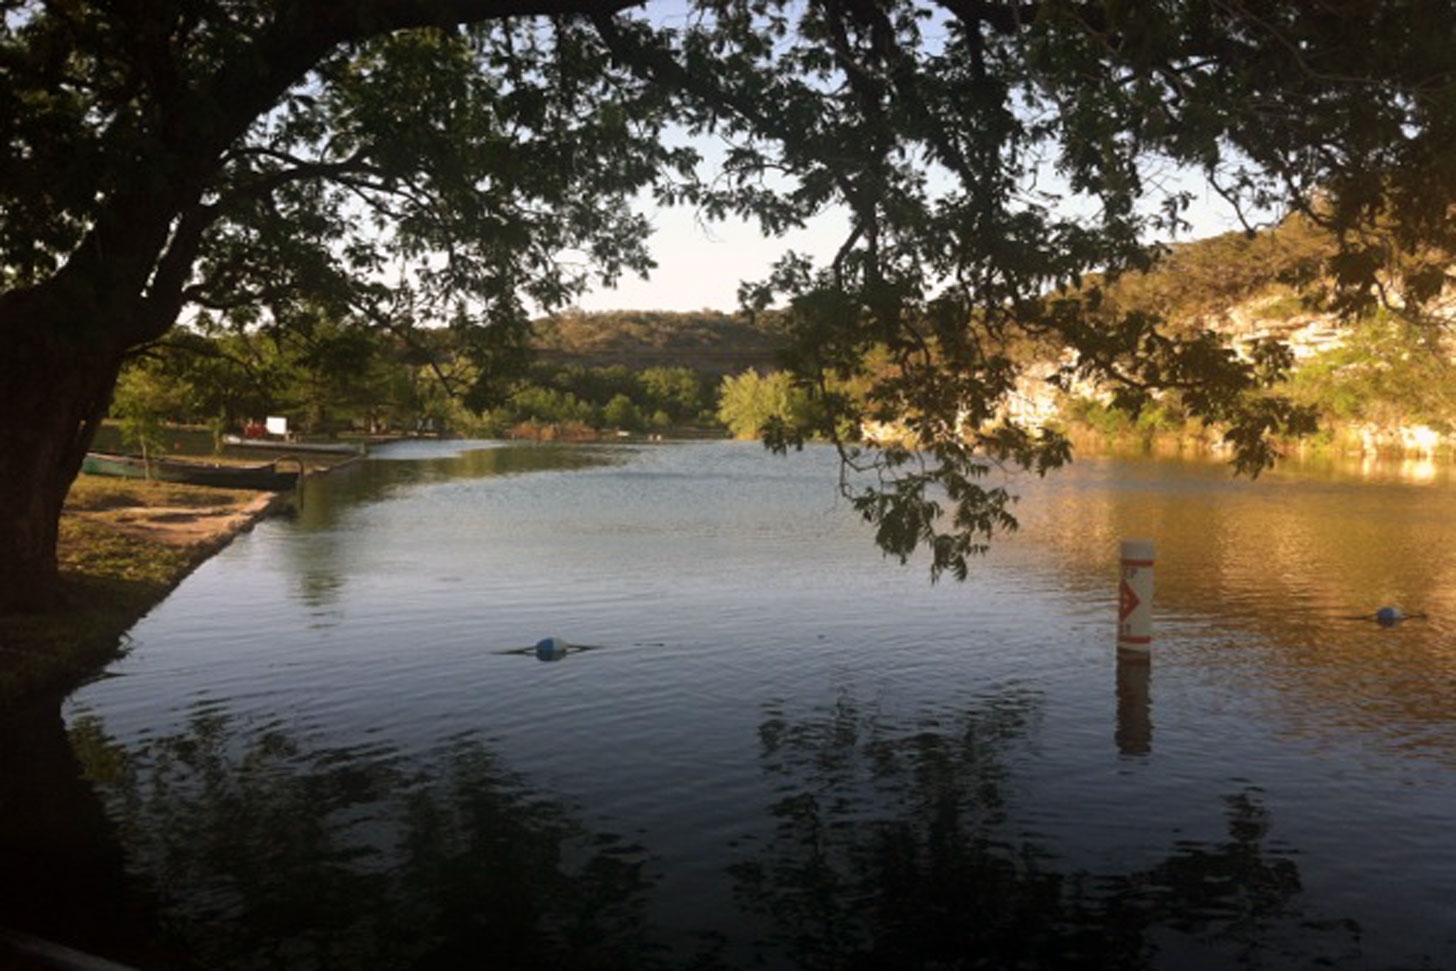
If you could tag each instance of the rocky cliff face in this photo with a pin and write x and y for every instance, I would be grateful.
(1308, 334)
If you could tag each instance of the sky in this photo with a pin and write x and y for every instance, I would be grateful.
(701, 265)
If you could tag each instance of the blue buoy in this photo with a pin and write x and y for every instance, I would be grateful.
(551, 648)
(1388, 616)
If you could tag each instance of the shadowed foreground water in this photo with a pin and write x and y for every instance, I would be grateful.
(784, 751)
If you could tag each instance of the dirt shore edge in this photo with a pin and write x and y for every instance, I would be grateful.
(50, 656)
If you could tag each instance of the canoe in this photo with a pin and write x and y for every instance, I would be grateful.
(334, 448)
(266, 476)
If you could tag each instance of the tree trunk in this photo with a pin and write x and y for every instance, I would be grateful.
(55, 386)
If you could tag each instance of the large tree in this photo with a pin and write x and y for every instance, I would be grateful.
(274, 162)
(402, 161)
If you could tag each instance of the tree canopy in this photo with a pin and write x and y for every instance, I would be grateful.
(401, 163)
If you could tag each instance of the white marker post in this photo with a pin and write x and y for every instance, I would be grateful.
(1135, 596)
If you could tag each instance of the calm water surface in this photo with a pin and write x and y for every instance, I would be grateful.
(327, 750)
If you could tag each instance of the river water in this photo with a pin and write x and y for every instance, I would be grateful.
(774, 748)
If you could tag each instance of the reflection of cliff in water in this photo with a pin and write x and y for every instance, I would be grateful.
(1272, 573)
(265, 855)
(904, 848)
(1269, 548)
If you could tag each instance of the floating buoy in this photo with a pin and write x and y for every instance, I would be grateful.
(1389, 616)
(551, 648)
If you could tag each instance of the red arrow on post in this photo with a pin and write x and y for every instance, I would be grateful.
(1127, 601)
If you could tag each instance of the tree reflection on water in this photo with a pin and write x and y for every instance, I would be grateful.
(274, 857)
(901, 849)
(890, 847)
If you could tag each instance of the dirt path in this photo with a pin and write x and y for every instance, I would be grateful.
(124, 545)
(188, 527)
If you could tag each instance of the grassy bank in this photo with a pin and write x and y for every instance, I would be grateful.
(124, 544)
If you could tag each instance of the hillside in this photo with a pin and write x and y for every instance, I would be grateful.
(706, 341)
(1379, 380)
(1271, 284)
(1197, 280)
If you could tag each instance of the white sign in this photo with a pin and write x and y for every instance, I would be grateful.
(277, 426)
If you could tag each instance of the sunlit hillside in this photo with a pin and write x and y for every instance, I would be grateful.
(706, 340)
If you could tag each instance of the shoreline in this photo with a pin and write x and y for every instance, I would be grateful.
(125, 547)
(118, 562)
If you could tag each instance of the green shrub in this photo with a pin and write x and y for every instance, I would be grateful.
(749, 402)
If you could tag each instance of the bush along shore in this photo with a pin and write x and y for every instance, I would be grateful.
(124, 545)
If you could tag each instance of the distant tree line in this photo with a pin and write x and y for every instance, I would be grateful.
(703, 372)
(325, 379)
(574, 399)
(336, 377)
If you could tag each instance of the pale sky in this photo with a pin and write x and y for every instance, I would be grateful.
(700, 266)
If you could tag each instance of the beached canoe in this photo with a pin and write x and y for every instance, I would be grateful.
(277, 445)
(267, 475)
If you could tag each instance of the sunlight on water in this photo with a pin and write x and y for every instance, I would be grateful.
(779, 748)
